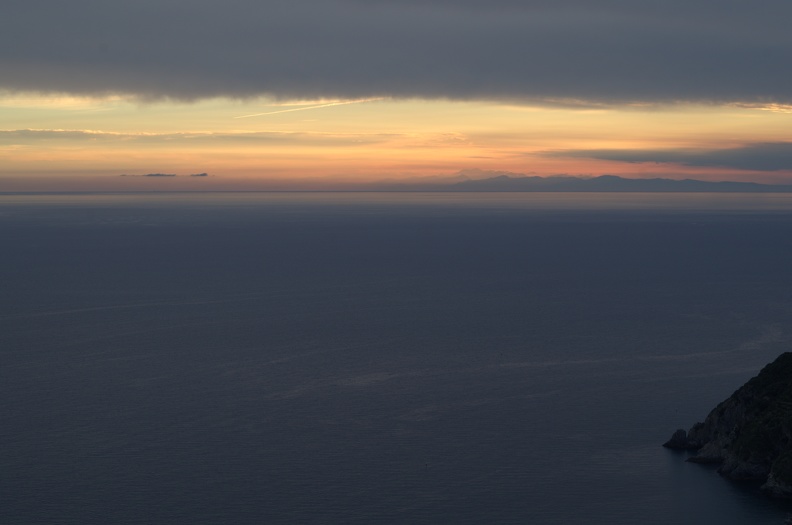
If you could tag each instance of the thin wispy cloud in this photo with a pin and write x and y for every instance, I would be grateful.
(34, 136)
(318, 106)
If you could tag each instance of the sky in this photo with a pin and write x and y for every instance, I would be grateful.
(333, 94)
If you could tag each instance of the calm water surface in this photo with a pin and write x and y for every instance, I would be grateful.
(380, 358)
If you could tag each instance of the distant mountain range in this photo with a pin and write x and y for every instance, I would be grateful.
(506, 182)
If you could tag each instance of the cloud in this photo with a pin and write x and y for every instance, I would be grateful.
(36, 136)
(609, 51)
(159, 175)
(314, 106)
(17, 136)
(156, 175)
(762, 156)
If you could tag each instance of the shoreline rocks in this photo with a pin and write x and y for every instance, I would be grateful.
(750, 433)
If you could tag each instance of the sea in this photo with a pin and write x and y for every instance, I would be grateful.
(398, 358)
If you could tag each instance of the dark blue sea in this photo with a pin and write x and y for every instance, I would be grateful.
(317, 358)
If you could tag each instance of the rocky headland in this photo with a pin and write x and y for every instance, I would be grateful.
(750, 433)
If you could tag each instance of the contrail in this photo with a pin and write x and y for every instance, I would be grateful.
(341, 103)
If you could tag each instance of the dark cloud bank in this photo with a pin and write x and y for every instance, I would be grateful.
(765, 156)
(609, 51)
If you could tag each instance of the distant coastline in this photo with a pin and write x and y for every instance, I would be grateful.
(603, 183)
(465, 181)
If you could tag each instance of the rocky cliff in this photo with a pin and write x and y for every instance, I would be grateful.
(750, 433)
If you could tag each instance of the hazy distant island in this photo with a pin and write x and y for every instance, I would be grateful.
(165, 175)
(750, 433)
(476, 180)
(479, 180)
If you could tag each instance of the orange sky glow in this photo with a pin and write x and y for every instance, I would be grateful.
(62, 143)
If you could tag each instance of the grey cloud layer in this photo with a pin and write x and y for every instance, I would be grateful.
(603, 51)
(765, 156)
(38, 136)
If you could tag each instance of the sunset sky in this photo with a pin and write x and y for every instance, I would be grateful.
(342, 93)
